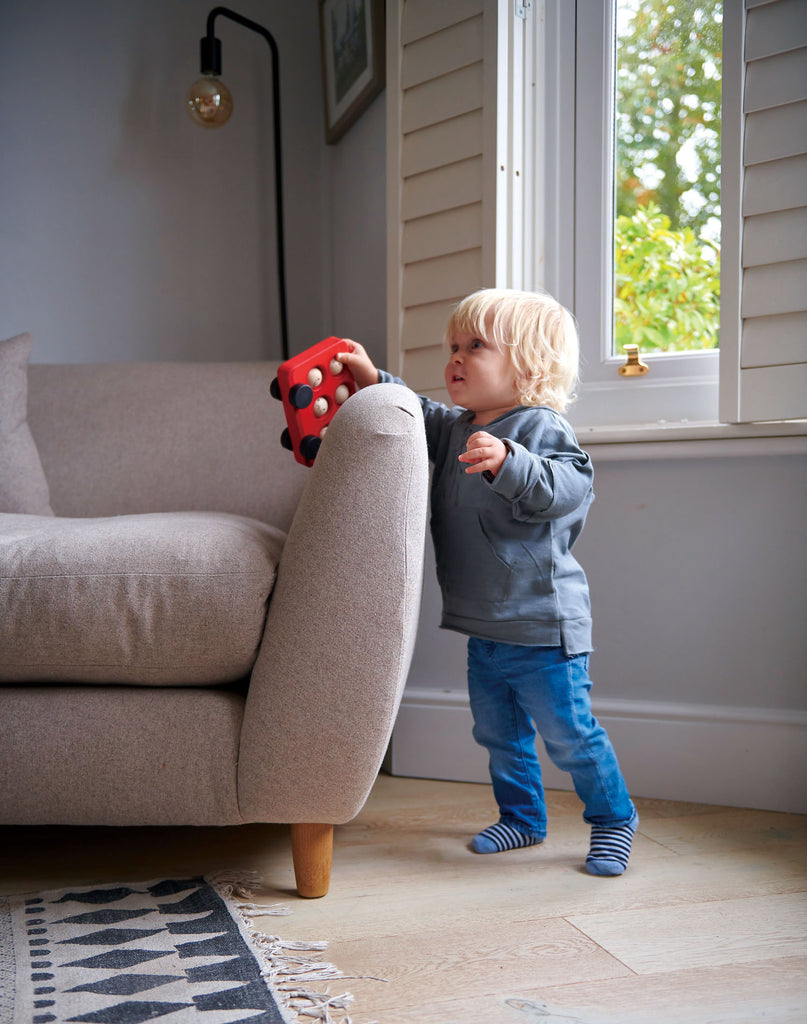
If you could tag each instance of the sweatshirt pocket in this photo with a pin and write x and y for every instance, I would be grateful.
(475, 561)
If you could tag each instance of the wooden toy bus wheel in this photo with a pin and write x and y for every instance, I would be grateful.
(285, 440)
(274, 390)
(309, 446)
(301, 396)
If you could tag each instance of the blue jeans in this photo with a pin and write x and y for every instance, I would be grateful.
(513, 690)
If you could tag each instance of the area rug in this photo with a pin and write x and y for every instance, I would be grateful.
(174, 949)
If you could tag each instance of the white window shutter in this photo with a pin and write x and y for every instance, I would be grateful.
(441, 142)
(766, 379)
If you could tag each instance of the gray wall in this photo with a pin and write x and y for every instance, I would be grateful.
(127, 233)
(698, 573)
(358, 258)
(698, 576)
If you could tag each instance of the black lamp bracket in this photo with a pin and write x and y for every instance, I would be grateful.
(210, 54)
(211, 47)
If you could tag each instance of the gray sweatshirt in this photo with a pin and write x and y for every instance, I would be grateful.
(503, 545)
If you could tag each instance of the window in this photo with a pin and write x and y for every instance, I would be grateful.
(666, 171)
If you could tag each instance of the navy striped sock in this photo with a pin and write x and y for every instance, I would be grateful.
(609, 850)
(500, 837)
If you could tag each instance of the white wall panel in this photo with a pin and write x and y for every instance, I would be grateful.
(771, 371)
(774, 392)
(443, 188)
(424, 326)
(775, 339)
(441, 172)
(778, 288)
(443, 98)
(452, 275)
(776, 133)
(425, 17)
(776, 80)
(455, 47)
(775, 28)
(424, 366)
(444, 232)
(442, 143)
(775, 237)
(778, 185)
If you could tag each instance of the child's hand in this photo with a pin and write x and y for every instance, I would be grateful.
(359, 363)
(485, 452)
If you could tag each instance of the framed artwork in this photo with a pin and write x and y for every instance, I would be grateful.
(353, 51)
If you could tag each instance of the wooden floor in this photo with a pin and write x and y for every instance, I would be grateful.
(709, 924)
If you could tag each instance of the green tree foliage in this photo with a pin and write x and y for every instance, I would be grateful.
(668, 96)
(667, 292)
(668, 82)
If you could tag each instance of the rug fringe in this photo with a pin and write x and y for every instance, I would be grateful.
(290, 975)
(241, 886)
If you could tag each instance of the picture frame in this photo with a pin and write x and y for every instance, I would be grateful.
(353, 52)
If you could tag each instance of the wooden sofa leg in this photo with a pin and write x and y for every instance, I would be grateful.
(312, 853)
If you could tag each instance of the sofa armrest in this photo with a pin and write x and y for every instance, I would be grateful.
(329, 677)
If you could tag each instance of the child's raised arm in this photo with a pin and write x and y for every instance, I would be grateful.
(359, 363)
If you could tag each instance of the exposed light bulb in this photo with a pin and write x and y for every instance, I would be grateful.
(209, 103)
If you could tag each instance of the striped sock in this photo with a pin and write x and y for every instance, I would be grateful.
(500, 837)
(610, 848)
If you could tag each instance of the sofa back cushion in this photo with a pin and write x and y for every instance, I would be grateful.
(119, 438)
(23, 487)
(157, 599)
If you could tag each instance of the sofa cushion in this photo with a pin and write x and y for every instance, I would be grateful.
(23, 487)
(170, 598)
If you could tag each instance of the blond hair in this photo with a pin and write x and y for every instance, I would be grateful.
(539, 333)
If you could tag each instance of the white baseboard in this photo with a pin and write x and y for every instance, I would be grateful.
(738, 757)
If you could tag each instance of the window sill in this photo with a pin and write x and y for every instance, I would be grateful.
(693, 440)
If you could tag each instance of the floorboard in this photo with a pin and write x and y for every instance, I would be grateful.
(708, 925)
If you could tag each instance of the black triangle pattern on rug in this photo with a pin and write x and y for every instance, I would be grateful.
(212, 975)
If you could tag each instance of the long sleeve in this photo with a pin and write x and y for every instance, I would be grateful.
(539, 488)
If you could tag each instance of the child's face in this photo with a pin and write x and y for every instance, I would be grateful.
(480, 376)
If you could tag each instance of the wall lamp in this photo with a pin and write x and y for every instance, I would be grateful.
(210, 104)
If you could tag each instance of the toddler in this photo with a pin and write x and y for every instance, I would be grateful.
(510, 493)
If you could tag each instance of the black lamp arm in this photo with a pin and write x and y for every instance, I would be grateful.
(210, 53)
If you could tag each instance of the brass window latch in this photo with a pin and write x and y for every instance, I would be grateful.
(633, 366)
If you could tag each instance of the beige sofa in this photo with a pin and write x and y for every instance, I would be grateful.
(195, 629)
